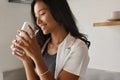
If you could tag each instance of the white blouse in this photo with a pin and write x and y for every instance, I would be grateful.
(72, 56)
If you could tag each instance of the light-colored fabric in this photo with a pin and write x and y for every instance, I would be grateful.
(72, 56)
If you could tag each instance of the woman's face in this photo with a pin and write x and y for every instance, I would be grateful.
(44, 18)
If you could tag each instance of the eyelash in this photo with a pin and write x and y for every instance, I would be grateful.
(42, 13)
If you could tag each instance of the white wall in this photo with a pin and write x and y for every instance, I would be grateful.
(12, 16)
(105, 46)
(105, 41)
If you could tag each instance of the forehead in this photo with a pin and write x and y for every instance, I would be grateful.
(39, 6)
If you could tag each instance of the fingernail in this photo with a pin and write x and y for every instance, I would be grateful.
(11, 46)
(18, 31)
(13, 49)
(17, 36)
(13, 41)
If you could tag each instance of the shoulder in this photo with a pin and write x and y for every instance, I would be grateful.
(71, 41)
(77, 57)
(75, 44)
(79, 48)
(79, 44)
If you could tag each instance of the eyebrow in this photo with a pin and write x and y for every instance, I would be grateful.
(42, 9)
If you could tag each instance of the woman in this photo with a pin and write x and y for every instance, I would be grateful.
(58, 51)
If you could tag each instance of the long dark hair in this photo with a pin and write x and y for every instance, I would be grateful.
(61, 12)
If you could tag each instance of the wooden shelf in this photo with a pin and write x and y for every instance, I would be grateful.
(110, 23)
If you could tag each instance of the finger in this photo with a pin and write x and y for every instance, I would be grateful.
(20, 46)
(18, 55)
(25, 34)
(12, 46)
(16, 48)
(22, 41)
(31, 31)
(14, 41)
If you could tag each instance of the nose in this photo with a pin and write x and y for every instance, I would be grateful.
(38, 21)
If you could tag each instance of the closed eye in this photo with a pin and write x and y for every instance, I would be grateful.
(42, 13)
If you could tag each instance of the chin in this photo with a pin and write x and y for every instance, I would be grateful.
(45, 33)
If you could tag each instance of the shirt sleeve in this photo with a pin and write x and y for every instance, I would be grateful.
(78, 61)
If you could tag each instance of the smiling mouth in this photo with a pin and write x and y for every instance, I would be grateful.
(42, 27)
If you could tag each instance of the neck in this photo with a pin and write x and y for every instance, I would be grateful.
(58, 36)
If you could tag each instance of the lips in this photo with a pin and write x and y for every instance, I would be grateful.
(42, 26)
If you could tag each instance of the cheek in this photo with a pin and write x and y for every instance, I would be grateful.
(49, 18)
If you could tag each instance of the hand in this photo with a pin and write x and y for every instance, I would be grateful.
(29, 45)
(19, 53)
